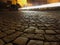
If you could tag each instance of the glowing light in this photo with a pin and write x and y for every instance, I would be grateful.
(13, 1)
(22, 2)
(42, 6)
(53, 1)
(29, 4)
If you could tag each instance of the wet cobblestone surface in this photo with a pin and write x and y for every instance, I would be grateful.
(30, 28)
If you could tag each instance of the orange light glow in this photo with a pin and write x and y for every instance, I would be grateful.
(29, 4)
(13, 1)
(53, 1)
(22, 2)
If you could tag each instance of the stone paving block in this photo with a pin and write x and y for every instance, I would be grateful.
(51, 24)
(0, 27)
(21, 41)
(46, 43)
(9, 44)
(51, 28)
(2, 34)
(50, 32)
(4, 28)
(32, 26)
(12, 37)
(35, 42)
(58, 36)
(51, 38)
(30, 30)
(32, 21)
(42, 28)
(57, 31)
(39, 36)
(47, 25)
(12, 28)
(21, 29)
(9, 31)
(54, 43)
(39, 31)
(28, 35)
(18, 25)
(41, 25)
(18, 29)
(1, 42)
(26, 26)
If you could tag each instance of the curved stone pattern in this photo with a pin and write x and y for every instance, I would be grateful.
(30, 28)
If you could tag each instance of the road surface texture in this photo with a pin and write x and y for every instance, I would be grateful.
(30, 28)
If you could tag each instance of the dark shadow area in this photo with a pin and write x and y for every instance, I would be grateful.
(9, 6)
(3, 5)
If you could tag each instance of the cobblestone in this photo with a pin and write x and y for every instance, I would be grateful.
(39, 31)
(9, 31)
(35, 42)
(51, 43)
(58, 36)
(9, 44)
(2, 34)
(50, 32)
(39, 36)
(12, 37)
(51, 38)
(28, 35)
(57, 31)
(30, 28)
(46, 43)
(1, 42)
(54, 43)
(21, 41)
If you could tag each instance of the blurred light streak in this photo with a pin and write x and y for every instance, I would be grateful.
(42, 6)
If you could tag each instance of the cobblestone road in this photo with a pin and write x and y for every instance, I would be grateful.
(30, 28)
